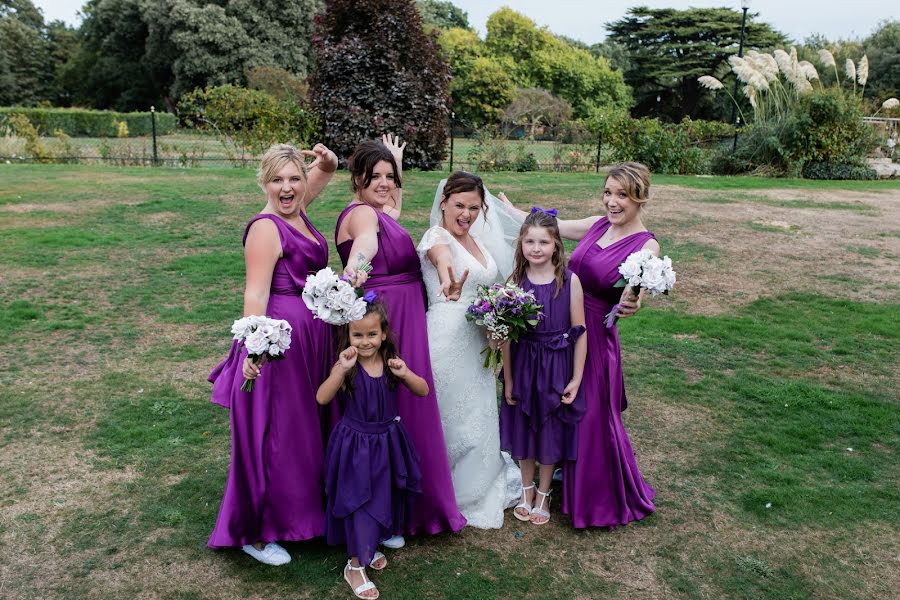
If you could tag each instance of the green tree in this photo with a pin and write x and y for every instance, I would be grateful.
(480, 87)
(668, 49)
(376, 71)
(883, 50)
(25, 66)
(541, 60)
(443, 15)
(141, 52)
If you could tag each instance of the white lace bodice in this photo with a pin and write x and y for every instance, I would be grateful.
(461, 259)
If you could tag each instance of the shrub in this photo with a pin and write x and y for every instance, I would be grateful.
(377, 71)
(247, 121)
(663, 147)
(277, 82)
(830, 170)
(77, 122)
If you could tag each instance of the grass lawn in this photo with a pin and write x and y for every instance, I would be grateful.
(763, 401)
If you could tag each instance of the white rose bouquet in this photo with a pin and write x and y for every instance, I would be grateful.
(262, 336)
(643, 269)
(333, 299)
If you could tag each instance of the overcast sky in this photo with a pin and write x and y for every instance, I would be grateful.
(585, 19)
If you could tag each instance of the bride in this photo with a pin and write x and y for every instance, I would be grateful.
(470, 238)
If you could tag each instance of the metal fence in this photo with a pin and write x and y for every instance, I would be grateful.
(508, 148)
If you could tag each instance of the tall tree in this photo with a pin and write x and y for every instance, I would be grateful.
(25, 65)
(140, 52)
(443, 15)
(541, 60)
(668, 49)
(883, 50)
(376, 71)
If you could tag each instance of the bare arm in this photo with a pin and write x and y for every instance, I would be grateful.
(326, 392)
(362, 228)
(506, 349)
(393, 144)
(416, 384)
(576, 315)
(440, 257)
(319, 173)
(261, 251)
(332, 384)
(569, 229)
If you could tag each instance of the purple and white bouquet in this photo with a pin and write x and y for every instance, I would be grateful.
(333, 299)
(262, 336)
(506, 311)
(643, 269)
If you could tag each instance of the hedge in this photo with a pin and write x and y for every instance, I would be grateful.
(77, 122)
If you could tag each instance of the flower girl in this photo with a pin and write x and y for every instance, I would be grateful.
(371, 466)
(542, 371)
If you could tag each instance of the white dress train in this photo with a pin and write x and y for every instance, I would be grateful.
(485, 480)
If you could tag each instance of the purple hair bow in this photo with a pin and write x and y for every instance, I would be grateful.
(370, 296)
(549, 211)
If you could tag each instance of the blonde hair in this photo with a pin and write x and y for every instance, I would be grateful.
(275, 159)
(634, 178)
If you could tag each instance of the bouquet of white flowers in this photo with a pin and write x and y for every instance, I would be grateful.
(262, 336)
(333, 299)
(643, 269)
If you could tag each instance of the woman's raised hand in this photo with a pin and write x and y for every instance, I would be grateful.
(347, 358)
(393, 144)
(325, 159)
(452, 288)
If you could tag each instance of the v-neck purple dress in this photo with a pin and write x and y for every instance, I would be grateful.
(274, 489)
(397, 279)
(603, 487)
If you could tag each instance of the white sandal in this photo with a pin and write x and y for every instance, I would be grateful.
(539, 510)
(364, 587)
(378, 556)
(524, 504)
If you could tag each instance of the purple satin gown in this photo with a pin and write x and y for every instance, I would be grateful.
(397, 279)
(371, 469)
(603, 487)
(539, 426)
(274, 488)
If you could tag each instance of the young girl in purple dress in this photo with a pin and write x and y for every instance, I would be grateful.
(371, 466)
(542, 371)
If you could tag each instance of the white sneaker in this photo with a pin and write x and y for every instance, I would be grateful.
(271, 554)
(394, 542)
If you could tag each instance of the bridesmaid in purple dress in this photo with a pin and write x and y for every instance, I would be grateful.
(368, 230)
(603, 487)
(274, 488)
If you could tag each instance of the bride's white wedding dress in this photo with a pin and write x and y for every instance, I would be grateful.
(485, 480)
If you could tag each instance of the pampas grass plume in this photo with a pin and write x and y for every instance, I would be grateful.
(862, 72)
(827, 58)
(890, 103)
(710, 82)
(850, 69)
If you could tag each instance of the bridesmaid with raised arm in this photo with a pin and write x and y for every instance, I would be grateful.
(368, 231)
(275, 482)
(604, 487)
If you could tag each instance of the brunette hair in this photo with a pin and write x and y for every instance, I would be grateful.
(634, 178)
(460, 182)
(363, 160)
(387, 351)
(275, 158)
(539, 218)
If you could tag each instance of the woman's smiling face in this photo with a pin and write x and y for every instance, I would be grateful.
(286, 191)
(620, 208)
(379, 191)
